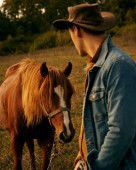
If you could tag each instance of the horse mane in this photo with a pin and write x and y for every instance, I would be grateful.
(37, 91)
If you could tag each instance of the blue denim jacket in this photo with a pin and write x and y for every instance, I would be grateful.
(109, 111)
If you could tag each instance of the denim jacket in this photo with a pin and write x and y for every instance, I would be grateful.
(109, 111)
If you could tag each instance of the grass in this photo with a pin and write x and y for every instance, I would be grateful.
(58, 57)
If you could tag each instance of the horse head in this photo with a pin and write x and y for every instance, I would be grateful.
(58, 108)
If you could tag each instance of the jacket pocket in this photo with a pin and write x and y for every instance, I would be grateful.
(97, 98)
(96, 95)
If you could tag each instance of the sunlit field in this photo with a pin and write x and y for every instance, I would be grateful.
(59, 57)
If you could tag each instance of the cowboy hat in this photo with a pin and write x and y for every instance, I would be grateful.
(87, 16)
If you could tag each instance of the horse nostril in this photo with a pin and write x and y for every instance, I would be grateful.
(62, 136)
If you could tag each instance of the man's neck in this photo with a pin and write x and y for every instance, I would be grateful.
(93, 43)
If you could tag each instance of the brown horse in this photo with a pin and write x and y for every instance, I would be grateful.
(35, 103)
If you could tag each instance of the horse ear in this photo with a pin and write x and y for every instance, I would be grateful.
(44, 70)
(68, 69)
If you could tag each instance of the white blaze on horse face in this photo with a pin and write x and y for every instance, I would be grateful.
(60, 92)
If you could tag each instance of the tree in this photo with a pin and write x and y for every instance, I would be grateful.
(5, 24)
(36, 16)
(126, 4)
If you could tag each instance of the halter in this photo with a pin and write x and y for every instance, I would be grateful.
(55, 112)
(49, 116)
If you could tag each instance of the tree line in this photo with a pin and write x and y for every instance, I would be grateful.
(31, 18)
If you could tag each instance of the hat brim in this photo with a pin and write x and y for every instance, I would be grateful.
(109, 22)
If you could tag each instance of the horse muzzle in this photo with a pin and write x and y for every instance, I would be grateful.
(64, 138)
(67, 131)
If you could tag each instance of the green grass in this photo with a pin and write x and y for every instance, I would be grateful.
(58, 57)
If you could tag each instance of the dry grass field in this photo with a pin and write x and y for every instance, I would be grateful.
(56, 57)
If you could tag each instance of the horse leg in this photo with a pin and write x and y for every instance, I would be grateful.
(17, 147)
(30, 145)
(46, 150)
(46, 146)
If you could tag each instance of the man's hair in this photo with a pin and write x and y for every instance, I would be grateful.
(93, 32)
(87, 30)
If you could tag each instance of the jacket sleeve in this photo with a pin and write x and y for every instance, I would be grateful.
(121, 108)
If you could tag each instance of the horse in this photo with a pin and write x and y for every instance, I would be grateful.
(35, 103)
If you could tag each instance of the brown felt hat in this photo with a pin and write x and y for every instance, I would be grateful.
(87, 16)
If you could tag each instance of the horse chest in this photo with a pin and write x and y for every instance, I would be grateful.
(39, 131)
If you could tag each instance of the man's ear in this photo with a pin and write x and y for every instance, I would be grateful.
(77, 30)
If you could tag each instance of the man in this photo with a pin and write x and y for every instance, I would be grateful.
(108, 132)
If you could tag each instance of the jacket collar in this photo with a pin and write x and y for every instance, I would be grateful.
(104, 52)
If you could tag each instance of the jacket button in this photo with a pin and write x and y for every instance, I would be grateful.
(93, 97)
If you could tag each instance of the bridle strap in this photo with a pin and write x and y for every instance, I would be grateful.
(57, 111)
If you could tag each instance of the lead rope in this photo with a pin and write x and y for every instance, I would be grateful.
(54, 152)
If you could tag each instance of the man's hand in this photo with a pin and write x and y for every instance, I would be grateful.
(80, 165)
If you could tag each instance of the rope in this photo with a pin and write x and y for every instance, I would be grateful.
(54, 152)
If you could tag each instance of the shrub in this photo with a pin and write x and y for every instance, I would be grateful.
(6, 48)
(113, 31)
(63, 38)
(44, 41)
(18, 44)
(127, 33)
(51, 39)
